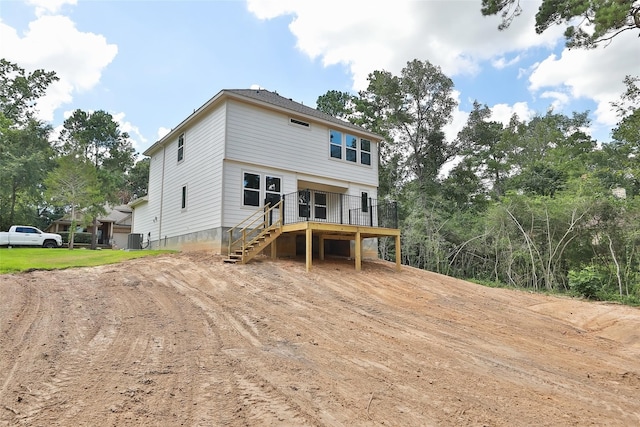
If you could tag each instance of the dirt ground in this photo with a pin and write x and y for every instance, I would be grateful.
(185, 340)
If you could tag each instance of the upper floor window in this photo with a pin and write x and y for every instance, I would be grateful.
(251, 189)
(352, 148)
(335, 143)
(365, 152)
(181, 147)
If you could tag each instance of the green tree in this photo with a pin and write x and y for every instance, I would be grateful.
(616, 163)
(596, 21)
(98, 139)
(489, 148)
(337, 104)
(465, 188)
(138, 179)
(25, 151)
(411, 110)
(73, 184)
(552, 149)
(20, 91)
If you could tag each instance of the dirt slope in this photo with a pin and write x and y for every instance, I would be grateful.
(187, 340)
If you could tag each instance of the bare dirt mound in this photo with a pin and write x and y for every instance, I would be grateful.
(187, 340)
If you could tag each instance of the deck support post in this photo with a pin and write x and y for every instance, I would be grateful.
(358, 251)
(321, 246)
(398, 255)
(308, 247)
(274, 249)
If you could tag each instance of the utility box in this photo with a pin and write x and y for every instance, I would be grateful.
(135, 241)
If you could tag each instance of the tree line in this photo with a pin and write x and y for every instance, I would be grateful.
(536, 204)
(91, 162)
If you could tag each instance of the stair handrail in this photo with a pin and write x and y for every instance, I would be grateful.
(262, 212)
(262, 233)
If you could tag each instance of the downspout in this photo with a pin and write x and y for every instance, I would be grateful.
(164, 149)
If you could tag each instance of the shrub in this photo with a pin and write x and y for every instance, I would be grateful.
(587, 282)
(77, 237)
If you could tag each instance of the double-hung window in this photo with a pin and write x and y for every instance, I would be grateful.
(181, 147)
(352, 149)
(349, 148)
(335, 144)
(320, 205)
(365, 152)
(251, 189)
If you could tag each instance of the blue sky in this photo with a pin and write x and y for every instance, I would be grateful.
(151, 63)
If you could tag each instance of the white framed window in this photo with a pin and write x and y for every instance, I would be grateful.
(349, 148)
(181, 147)
(351, 155)
(251, 189)
(335, 144)
(320, 205)
(365, 152)
(364, 197)
(183, 205)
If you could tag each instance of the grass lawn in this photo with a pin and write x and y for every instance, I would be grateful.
(15, 260)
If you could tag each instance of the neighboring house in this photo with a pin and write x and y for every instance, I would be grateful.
(245, 149)
(114, 227)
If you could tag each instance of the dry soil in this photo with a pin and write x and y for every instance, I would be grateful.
(184, 339)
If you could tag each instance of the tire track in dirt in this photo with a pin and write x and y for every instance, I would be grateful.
(256, 399)
(185, 339)
(18, 326)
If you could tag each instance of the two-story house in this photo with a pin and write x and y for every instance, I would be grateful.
(212, 177)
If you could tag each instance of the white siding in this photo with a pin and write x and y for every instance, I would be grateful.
(142, 220)
(156, 168)
(200, 171)
(234, 212)
(224, 143)
(266, 138)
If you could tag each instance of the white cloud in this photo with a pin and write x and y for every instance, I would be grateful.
(451, 34)
(502, 62)
(53, 43)
(455, 36)
(503, 112)
(560, 99)
(162, 131)
(50, 6)
(596, 75)
(458, 120)
(137, 139)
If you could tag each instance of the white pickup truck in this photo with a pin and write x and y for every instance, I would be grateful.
(22, 235)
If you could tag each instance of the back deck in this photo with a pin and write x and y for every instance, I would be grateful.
(315, 215)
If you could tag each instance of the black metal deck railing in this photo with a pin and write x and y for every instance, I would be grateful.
(338, 208)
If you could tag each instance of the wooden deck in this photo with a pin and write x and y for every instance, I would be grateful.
(327, 231)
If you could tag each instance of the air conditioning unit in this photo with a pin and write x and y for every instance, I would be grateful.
(135, 241)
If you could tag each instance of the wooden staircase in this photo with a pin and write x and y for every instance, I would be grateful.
(255, 233)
